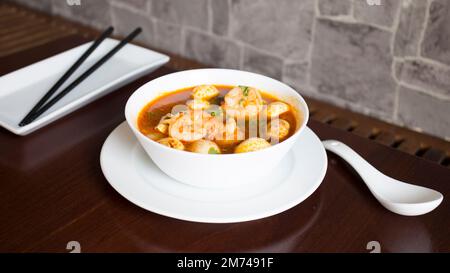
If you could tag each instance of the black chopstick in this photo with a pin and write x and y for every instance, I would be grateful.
(66, 75)
(83, 76)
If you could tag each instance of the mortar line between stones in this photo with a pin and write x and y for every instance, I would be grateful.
(228, 34)
(241, 55)
(148, 8)
(160, 21)
(283, 69)
(229, 39)
(396, 102)
(316, 8)
(124, 6)
(425, 92)
(352, 9)
(392, 46)
(210, 16)
(340, 102)
(112, 16)
(155, 37)
(427, 61)
(349, 20)
(241, 47)
(311, 43)
(396, 22)
(395, 60)
(259, 50)
(424, 27)
(183, 41)
(394, 28)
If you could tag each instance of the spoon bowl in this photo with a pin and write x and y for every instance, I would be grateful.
(396, 196)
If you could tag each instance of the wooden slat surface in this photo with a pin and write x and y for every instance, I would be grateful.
(21, 29)
(387, 134)
(62, 195)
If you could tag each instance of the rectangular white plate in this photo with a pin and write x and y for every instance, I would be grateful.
(21, 90)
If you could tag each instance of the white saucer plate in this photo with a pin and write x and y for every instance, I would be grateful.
(131, 172)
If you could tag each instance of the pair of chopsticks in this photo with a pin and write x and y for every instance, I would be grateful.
(43, 105)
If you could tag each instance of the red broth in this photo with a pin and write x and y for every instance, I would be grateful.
(151, 114)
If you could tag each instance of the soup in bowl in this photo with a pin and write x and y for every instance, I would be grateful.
(216, 128)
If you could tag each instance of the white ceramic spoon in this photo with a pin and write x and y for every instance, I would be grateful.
(395, 195)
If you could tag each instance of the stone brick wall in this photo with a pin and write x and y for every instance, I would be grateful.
(390, 61)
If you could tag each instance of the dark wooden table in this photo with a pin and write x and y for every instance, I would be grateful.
(52, 191)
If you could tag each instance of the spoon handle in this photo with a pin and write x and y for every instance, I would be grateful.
(395, 195)
(362, 167)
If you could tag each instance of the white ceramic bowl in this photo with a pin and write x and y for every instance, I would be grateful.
(210, 170)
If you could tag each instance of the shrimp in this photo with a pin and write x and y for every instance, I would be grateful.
(188, 126)
(169, 118)
(166, 120)
(216, 129)
(229, 134)
(197, 104)
(229, 140)
(243, 101)
(230, 126)
(213, 126)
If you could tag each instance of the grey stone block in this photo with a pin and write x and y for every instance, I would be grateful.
(125, 21)
(220, 16)
(353, 62)
(211, 50)
(141, 5)
(282, 27)
(420, 110)
(296, 74)
(42, 5)
(436, 43)
(410, 27)
(429, 77)
(93, 13)
(192, 13)
(383, 15)
(168, 37)
(335, 7)
(262, 63)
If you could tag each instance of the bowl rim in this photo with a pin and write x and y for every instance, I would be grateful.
(183, 152)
